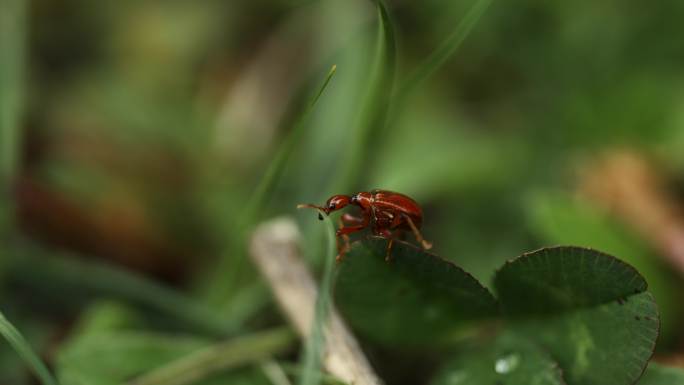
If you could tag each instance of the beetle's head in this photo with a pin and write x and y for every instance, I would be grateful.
(335, 203)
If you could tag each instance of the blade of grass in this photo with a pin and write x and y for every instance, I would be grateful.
(223, 356)
(226, 277)
(12, 52)
(277, 164)
(375, 104)
(33, 267)
(440, 55)
(24, 351)
(274, 372)
(315, 344)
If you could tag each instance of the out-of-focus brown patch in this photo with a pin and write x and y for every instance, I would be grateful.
(115, 228)
(633, 188)
(670, 360)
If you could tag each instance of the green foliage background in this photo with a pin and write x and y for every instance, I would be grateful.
(141, 141)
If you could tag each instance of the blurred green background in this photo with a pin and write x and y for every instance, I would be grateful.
(134, 134)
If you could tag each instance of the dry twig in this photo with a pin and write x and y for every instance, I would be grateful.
(274, 249)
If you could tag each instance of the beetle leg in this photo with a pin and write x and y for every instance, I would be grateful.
(388, 253)
(426, 245)
(351, 229)
(341, 249)
(390, 236)
(342, 233)
(350, 219)
(396, 221)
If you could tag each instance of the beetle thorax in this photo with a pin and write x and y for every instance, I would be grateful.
(363, 200)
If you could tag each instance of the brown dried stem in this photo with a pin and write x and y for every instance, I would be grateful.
(274, 249)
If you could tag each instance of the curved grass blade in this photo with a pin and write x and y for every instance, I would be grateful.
(440, 55)
(232, 265)
(24, 351)
(375, 104)
(113, 355)
(73, 278)
(226, 277)
(315, 344)
(277, 164)
(203, 363)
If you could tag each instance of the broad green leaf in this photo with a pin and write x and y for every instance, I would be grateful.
(662, 375)
(415, 298)
(564, 278)
(509, 360)
(560, 219)
(590, 310)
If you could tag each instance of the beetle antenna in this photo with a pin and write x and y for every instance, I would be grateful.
(311, 206)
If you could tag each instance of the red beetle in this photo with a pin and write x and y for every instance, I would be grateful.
(388, 213)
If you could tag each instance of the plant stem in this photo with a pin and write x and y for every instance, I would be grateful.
(66, 274)
(276, 166)
(275, 251)
(24, 351)
(231, 267)
(315, 344)
(374, 108)
(213, 359)
(440, 55)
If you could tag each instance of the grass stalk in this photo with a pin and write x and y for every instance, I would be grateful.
(24, 350)
(279, 161)
(62, 274)
(231, 267)
(315, 344)
(375, 104)
(440, 55)
(220, 357)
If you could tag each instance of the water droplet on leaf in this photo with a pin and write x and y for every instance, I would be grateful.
(507, 363)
